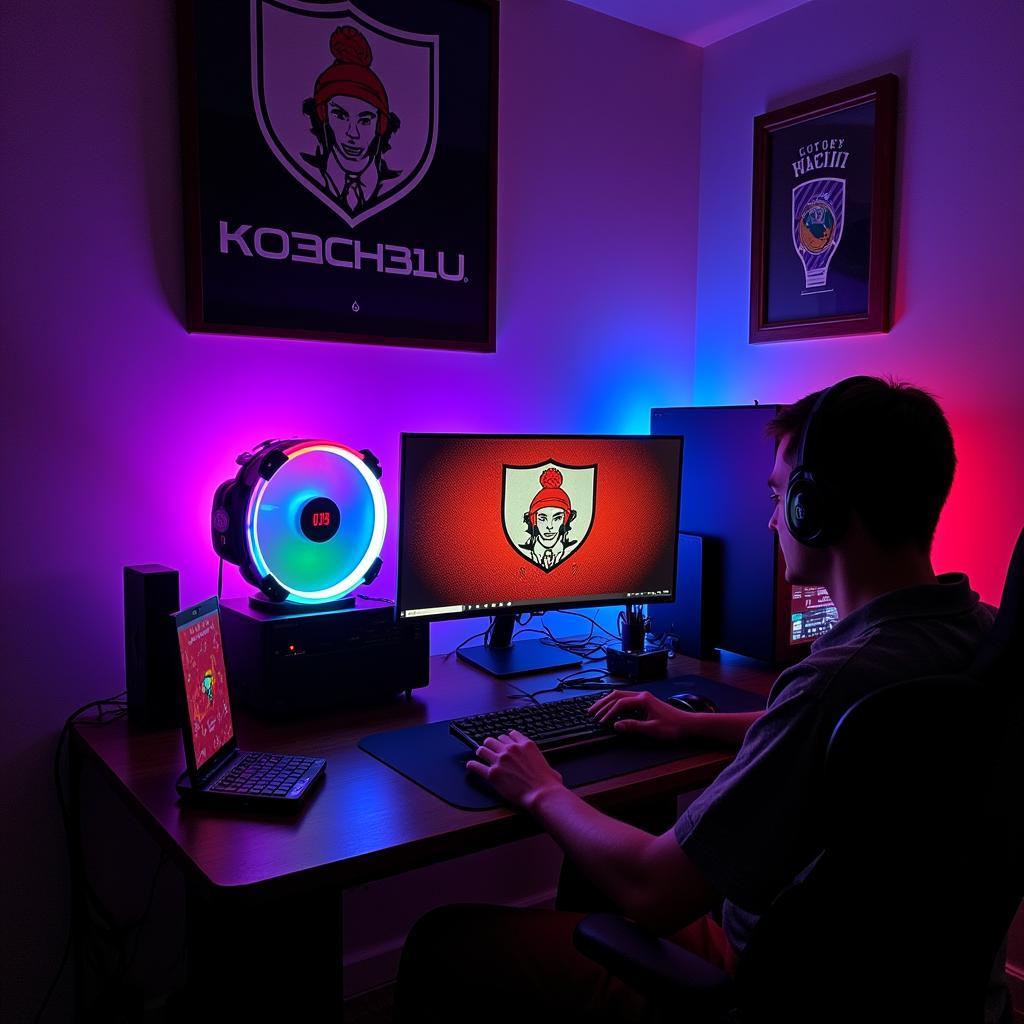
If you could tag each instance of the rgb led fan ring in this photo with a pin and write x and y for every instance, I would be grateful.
(305, 520)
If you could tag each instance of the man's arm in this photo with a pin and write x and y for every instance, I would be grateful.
(724, 727)
(663, 721)
(648, 877)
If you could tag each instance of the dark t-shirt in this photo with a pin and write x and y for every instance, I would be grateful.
(757, 826)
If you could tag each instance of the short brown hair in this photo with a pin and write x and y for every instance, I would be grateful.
(885, 448)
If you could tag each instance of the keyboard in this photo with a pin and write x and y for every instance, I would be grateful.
(264, 775)
(555, 725)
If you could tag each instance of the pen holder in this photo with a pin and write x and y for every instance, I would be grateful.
(632, 630)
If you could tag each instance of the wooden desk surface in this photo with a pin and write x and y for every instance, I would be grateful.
(365, 821)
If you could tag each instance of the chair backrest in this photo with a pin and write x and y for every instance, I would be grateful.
(901, 915)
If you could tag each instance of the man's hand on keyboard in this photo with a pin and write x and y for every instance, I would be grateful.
(646, 715)
(516, 769)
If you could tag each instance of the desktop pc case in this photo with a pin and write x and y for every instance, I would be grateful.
(309, 661)
(738, 589)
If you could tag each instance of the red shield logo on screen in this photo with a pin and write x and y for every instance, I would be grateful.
(548, 510)
(347, 104)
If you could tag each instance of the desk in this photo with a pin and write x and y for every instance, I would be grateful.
(364, 823)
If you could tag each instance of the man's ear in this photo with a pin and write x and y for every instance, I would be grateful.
(572, 516)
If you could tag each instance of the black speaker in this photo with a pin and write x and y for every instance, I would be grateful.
(688, 624)
(151, 660)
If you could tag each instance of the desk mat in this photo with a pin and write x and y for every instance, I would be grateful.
(432, 758)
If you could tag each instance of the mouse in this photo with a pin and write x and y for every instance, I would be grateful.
(693, 702)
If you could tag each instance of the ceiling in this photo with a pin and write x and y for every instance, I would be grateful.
(700, 22)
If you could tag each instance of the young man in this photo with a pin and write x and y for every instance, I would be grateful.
(882, 460)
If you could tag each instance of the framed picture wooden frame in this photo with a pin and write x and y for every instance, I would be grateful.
(821, 237)
(340, 175)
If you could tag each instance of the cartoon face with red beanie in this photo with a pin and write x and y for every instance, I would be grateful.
(352, 122)
(548, 522)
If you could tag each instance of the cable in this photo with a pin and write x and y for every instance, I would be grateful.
(586, 647)
(53, 984)
(521, 693)
(137, 928)
(220, 578)
(109, 709)
(593, 622)
(585, 679)
(120, 710)
(590, 679)
(116, 702)
(485, 633)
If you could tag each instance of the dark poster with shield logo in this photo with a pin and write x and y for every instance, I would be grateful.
(822, 224)
(340, 174)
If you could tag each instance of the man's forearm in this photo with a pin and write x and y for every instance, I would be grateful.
(623, 861)
(725, 727)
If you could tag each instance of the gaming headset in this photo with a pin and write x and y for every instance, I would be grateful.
(815, 514)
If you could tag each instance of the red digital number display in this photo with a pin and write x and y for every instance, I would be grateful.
(320, 519)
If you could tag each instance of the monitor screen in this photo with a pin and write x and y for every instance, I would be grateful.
(492, 525)
(206, 685)
(812, 614)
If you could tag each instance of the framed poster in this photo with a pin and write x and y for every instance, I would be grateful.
(821, 238)
(339, 169)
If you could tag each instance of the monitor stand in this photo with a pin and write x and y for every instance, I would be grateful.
(502, 658)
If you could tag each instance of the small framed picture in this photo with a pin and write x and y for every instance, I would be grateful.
(821, 238)
(340, 169)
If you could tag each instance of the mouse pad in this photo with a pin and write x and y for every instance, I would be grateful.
(432, 758)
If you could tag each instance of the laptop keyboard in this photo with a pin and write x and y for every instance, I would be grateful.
(555, 725)
(264, 775)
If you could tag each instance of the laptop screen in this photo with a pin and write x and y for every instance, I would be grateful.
(206, 685)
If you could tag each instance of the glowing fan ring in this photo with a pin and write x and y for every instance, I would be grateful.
(261, 521)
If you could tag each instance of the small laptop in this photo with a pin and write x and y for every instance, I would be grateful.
(217, 770)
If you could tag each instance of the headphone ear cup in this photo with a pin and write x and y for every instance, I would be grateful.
(805, 509)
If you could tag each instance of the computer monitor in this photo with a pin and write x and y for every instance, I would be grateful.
(740, 598)
(500, 525)
(812, 613)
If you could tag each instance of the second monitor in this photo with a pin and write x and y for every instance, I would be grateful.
(499, 525)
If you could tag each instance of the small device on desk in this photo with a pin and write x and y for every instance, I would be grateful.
(646, 663)
(500, 526)
(310, 660)
(217, 770)
(304, 520)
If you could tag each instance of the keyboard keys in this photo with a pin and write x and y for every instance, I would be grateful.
(272, 775)
(552, 726)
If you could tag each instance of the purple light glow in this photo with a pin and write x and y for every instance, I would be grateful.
(612, 139)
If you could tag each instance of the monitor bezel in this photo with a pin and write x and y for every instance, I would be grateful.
(541, 606)
(202, 774)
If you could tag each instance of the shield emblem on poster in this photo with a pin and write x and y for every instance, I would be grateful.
(348, 105)
(819, 213)
(548, 510)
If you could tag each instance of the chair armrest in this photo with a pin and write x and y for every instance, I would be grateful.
(652, 965)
